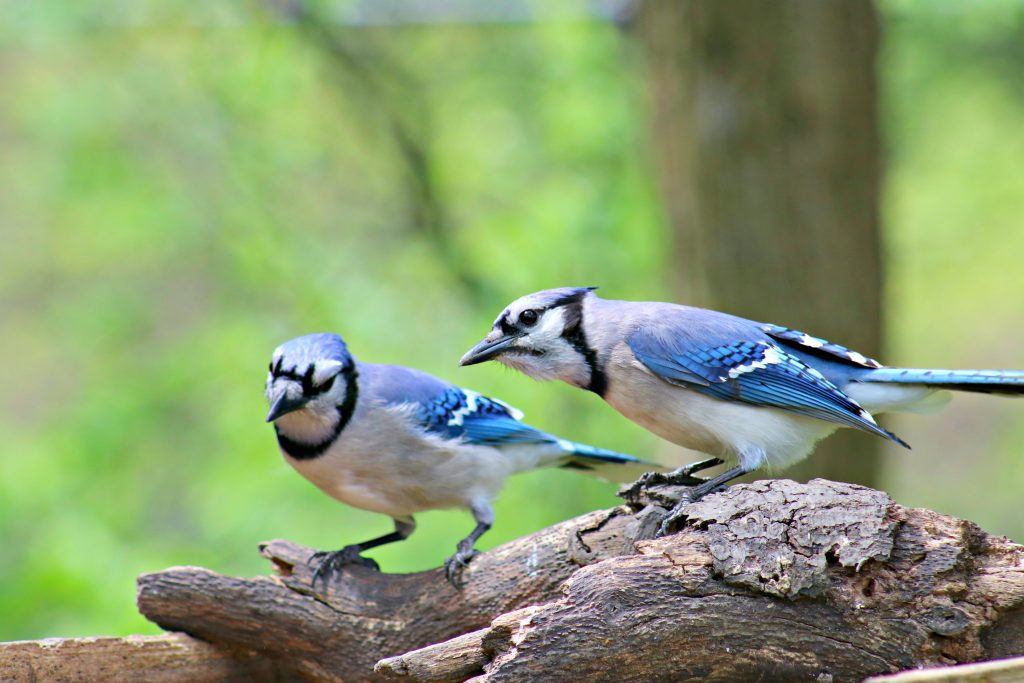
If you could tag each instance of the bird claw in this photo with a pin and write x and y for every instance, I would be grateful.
(683, 476)
(454, 565)
(648, 479)
(678, 511)
(329, 562)
(674, 515)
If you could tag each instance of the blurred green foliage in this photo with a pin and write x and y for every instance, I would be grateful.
(182, 187)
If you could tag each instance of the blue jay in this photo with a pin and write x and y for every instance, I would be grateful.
(759, 395)
(398, 441)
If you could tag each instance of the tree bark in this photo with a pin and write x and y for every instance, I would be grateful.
(770, 580)
(155, 659)
(339, 634)
(765, 138)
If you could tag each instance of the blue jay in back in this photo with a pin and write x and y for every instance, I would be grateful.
(757, 394)
(398, 441)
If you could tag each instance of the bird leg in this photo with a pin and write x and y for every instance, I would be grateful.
(683, 476)
(331, 561)
(465, 551)
(696, 493)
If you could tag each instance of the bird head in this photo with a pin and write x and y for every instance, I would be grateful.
(540, 335)
(307, 383)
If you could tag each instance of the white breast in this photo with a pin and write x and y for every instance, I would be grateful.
(380, 463)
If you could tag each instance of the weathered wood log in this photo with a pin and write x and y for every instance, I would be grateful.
(771, 580)
(766, 581)
(338, 634)
(453, 660)
(167, 658)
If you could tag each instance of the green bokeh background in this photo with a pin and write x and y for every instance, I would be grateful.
(184, 186)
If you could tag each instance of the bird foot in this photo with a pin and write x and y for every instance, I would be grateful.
(329, 562)
(454, 565)
(674, 516)
(683, 476)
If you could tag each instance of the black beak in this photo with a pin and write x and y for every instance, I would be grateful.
(284, 405)
(488, 349)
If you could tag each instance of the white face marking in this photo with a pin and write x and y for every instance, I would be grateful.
(324, 370)
(276, 386)
(319, 416)
(541, 352)
(551, 324)
(308, 425)
(546, 354)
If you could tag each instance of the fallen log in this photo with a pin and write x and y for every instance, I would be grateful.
(766, 581)
(167, 658)
(338, 634)
(772, 580)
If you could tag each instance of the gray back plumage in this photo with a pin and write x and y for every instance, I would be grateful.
(689, 328)
(396, 384)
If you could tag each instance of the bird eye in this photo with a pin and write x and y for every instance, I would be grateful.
(528, 317)
(270, 368)
(328, 383)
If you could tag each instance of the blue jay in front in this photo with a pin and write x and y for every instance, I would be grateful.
(756, 394)
(398, 441)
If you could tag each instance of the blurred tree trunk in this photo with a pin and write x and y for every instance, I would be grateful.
(765, 138)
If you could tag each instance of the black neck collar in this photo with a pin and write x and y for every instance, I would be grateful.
(300, 450)
(574, 334)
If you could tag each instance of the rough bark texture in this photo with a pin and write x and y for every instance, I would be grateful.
(765, 139)
(365, 615)
(772, 580)
(768, 581)
(156, 659)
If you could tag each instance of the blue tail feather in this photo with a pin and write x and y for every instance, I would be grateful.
(582, 450)
(1009, 382)
(605, 464)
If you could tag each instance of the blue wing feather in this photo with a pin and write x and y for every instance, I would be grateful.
(753, 371)
(819, 347)
(460, 413)
(454, 413)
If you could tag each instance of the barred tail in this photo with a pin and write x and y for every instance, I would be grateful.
(1007, 382)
